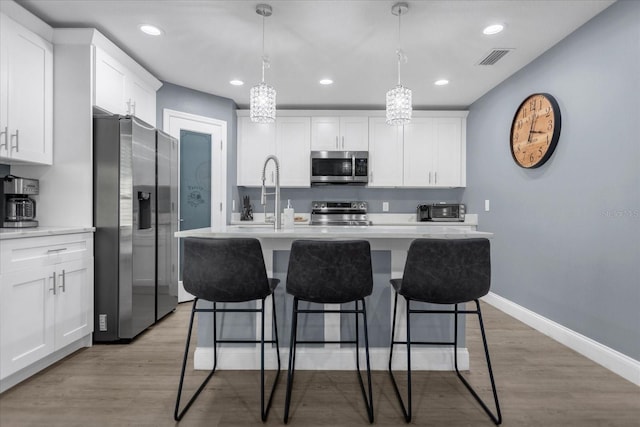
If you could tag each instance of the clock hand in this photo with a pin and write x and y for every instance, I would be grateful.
(533, 122)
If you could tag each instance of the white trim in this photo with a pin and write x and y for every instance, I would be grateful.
(340, 359)
(611, 359)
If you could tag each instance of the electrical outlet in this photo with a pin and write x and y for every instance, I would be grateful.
(385, 206)
(486, 205)
(102, 322)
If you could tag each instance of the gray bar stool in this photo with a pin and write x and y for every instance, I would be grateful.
(440, 271)
(330, 272)
(227, 271)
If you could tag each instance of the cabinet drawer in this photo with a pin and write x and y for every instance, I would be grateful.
(34, 252)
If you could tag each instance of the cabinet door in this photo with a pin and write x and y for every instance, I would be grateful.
(26, 318)
(142, 102)
(447, 159)
(325, 133)
(419, 146)
(385, 154)
(354, 133)
(27, 95)
(110, 84)
(73, 301)
(255, 142)
(293, 139)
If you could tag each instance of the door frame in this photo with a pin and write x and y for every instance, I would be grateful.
(172, 122)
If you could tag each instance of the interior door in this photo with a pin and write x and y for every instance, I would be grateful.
(195, 180)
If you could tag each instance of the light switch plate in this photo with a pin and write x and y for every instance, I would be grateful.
(486, 205)
(385, 206)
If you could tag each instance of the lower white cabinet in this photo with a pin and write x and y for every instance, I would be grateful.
(46, 297)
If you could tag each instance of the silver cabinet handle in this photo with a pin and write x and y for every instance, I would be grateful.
(429, 177)
(56, 250)
(5, 132)
(62, 277)
(436, 177)
(17, 135)
(343, 142)
(53, 277)
(337, 144)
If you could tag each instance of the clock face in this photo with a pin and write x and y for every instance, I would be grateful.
(535, 130)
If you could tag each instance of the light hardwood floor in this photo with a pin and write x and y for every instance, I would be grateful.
(540, 383)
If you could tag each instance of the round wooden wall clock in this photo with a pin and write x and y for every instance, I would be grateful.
(535, 130)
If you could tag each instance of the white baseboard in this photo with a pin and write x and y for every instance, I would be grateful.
(611, 359)
(330, 359)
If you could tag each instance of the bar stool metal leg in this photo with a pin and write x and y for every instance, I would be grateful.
(177, 415)
(367, 401)
(406, 410)
(292, 359)
(497, 419)
(265, 413)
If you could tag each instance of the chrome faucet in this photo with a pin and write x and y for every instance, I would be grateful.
(263, 197)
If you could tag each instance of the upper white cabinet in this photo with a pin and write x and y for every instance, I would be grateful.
(26, 95)
(429, 152)
(385, 154)
(433, 152)
(340, 133)
(119, 90)
(288, 139)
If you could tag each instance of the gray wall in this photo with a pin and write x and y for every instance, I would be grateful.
(5, 170)
(192, 101)
(567, 234)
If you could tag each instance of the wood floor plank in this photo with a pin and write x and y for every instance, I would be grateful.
(540, 383)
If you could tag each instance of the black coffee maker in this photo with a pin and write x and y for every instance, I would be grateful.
(18, 209)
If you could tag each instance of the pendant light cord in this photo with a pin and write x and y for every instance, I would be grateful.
(263, 59)
(399, 50)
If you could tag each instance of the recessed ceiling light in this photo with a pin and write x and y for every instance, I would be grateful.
(150, 29)
(236, 82)
(493, 29)
(326, 82)
(441, 82)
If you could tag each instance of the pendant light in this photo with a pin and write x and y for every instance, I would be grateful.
(262, 106)
(399, 98)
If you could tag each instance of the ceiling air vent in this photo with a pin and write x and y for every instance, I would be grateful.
(494, 56)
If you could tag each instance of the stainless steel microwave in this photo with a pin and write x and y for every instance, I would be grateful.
(339, 167)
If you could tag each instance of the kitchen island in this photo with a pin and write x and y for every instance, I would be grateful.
(389, 245)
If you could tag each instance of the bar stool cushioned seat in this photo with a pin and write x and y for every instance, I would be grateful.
(330, 272)
(444, 271)
(227, 271)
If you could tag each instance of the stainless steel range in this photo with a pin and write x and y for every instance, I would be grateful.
(339, 213)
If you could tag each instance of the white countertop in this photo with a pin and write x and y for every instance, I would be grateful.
(338, 232)
(19, 233)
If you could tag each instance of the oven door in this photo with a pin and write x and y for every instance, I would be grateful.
(338, 167)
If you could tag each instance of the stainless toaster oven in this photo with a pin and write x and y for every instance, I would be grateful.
(453, 212)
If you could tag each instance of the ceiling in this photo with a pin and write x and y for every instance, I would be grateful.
(208, 43)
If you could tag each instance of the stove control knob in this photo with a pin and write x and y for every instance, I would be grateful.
(354, 205)
(362, 206)
(315, 206)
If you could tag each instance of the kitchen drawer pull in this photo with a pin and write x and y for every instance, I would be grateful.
(56, 250)
(53, 277)
(337, 143)
(436, 178)
(62, 277)
(429, 177)
(343, 142)
(5, 132)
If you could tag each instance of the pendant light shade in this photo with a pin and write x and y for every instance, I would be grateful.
(399, 102)
(262, 102)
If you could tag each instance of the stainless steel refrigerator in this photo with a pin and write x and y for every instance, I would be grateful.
(135, 215)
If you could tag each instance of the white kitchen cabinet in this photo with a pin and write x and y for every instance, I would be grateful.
(119, 90)
(433, 152)
(288, 139)
(46, 297)
(385, 154)
(26, 95)
(255, 142)
(428, 152)
(344, 133)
